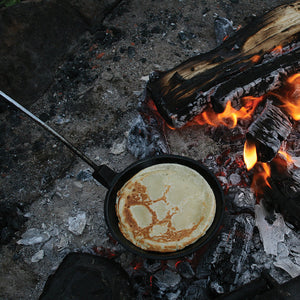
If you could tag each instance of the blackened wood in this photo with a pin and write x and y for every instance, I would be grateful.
(186, 90)
(256, 81)
(268, 131)
(287, 203)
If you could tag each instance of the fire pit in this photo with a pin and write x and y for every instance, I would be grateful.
(94, 100)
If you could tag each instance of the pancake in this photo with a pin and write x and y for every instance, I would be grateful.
(165, 207)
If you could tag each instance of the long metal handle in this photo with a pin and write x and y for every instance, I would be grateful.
(49, 129)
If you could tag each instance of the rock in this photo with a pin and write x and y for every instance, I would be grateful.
(131, 52)
(11, 220)
(34, 46)
(36, 36)
(85, 276)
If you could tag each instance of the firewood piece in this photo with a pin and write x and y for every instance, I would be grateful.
(268, 131)
(185, 91)
(283, 192)
(256, 81)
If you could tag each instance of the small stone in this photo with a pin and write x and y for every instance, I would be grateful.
(37, 256)
(77, 223)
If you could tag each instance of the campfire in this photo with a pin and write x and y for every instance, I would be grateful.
(248, 81)
(247, 87)
(243, 96)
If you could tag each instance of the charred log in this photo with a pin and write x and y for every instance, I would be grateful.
(232, 70)
(268, 132)
(283, 194)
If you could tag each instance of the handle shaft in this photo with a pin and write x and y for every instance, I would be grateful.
(49, 129)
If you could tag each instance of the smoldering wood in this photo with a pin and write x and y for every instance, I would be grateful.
(268, 131)
(282, 197)
(238, 66)
(256, 81)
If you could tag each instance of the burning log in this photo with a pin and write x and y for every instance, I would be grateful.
(245, 64)
(268, 131)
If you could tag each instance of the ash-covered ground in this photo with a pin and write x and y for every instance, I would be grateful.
(50, 196)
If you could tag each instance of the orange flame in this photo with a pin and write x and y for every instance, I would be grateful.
(291, 98)
(230, 116)
(250, 154)
(286, 156)
(255, 58)
(260, 178)
(277, 50)
(266, 173)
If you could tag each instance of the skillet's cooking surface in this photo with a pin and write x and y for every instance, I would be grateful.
(121, 178)
(165, 207)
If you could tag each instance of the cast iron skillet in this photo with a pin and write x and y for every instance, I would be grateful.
(114, 181)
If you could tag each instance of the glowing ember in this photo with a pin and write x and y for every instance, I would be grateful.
(230, 116)
(286, 156)
(250, 154)
(277, 50)
(255, 58)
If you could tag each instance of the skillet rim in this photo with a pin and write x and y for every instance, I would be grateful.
(121, 178)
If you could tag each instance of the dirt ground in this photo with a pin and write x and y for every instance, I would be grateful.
(93, 101)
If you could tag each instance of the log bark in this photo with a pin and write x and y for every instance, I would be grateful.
(243, 63)
(268, 132)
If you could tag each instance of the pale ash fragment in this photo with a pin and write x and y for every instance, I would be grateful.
(279, 241)
(118, 148)
(77, 223)
(271, 234)
(33, 236)
(288, 265)
(37, 256)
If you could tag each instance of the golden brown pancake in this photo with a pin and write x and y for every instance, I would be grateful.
(165, 207)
